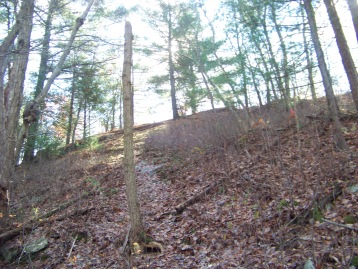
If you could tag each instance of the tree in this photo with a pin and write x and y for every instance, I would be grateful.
(248, 20)
(70, 126)
(137, 229)
(164, 21)
(168, 8)
(30, 114)
(308, 54)
(327, 81)
(29, 149)
(11, 92)
(187, 32)
(353, 8)
(346, 56)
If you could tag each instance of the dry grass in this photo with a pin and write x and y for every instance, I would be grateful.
(211, 129)
(221, 127)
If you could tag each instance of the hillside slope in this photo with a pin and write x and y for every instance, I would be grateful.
(271, 197)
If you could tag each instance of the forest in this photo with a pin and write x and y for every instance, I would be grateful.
(178, 134)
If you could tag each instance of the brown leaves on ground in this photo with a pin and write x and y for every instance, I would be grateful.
(271, 178)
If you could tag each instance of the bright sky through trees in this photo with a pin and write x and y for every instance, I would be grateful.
(149, 107)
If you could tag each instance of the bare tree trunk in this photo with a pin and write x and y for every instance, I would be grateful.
(113, 110)
(308, 57)
(273, 61)
(327, 82)
(346, 56)
(84, 135)
(284, 54)
(256, 86)
(11, 94)
(171, 69)
(73, 139)
(70, 113)
(353, 8)
(137, 229)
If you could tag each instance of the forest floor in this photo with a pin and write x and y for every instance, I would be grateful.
(279, 195)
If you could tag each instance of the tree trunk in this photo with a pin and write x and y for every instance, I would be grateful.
(84, 119)
(73, 139)
(29, 149)
(89, 121)
(120, 109)
(171, 70)
(353, 8)
(200, 67)
(70, 112)
(327, 82)
(273, 59)
(11, 94)
(242, 62)
(113, 110)
(286, 74)
(346, 56)
(137, 229)
(266, 75)
(308, 57)
(229, 81)
(256, 86)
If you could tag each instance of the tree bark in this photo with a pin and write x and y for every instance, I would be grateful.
(171, 68)
(346, 56)
(11, 94)
(353, 8)
(308, 57)
(137, 229)
(113, 109)
(327, 82)
(73, 139)
(84, 118)
(70, 112)
(120, 109)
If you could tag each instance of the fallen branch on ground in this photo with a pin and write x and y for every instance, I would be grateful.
(340, 225)
(41, 220)
(320, 203)
(123, 247)
(180, 208)
(73, 244)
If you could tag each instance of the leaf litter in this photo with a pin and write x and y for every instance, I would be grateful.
(257, 217)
